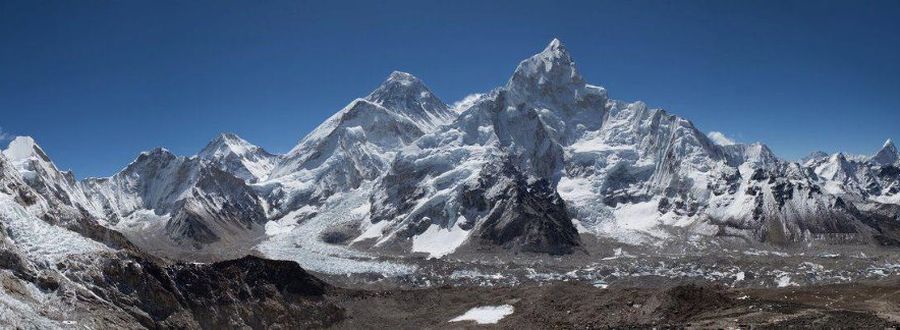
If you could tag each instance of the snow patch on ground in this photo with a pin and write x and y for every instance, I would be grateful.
(485, 314)
(784, 281)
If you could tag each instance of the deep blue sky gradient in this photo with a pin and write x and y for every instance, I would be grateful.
(96, 82)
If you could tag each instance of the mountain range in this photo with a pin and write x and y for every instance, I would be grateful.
(527, 166)
(535, 166)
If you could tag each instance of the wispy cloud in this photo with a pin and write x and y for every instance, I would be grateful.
(720, 138)
(465, 103)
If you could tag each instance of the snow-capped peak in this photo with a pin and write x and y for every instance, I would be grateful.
(22, 148)
(887, 155)
(226, 143)
(556, 49)
(404, 94)
(760, 153)
(397, 86)
(157, 152)
(400, 110)
(403, 78)
(553, 65)
(549, 80)
(235, 155)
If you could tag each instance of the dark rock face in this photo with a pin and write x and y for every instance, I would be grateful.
(187, 223)
(502, 207)
(781, 213)
(258, 292)
(88, 226)
(221, 204)
(397, 191)
(524, 216)
(247, 292)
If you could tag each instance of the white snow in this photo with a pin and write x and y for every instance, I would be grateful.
(596, 145)
(638, 216)
(20, 148)
(783, 281)
(236, 155)
(575, 189)
(438, 241)
(39, 240)
(303, 243)
(485, 314)
(892, 199)
(372, 230)
(274, 228)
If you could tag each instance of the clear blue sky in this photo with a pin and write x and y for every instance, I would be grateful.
(96, 82)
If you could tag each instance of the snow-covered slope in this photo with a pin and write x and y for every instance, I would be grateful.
(356, 144)
(62, 198)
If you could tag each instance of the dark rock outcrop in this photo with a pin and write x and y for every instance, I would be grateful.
(529, 217)
(247, 292)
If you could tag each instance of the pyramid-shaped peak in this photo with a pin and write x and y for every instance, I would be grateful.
(405, 94)
(550, 73)
(887, 155)
(554, 60)
(555, 43)
(555, 54)
(402, 77)
(399, 83)
(225, 143)
(227, 138)
(556, 48)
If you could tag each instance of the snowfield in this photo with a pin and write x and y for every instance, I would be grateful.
(40, 241)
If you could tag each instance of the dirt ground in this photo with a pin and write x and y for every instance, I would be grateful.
(638, 304)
